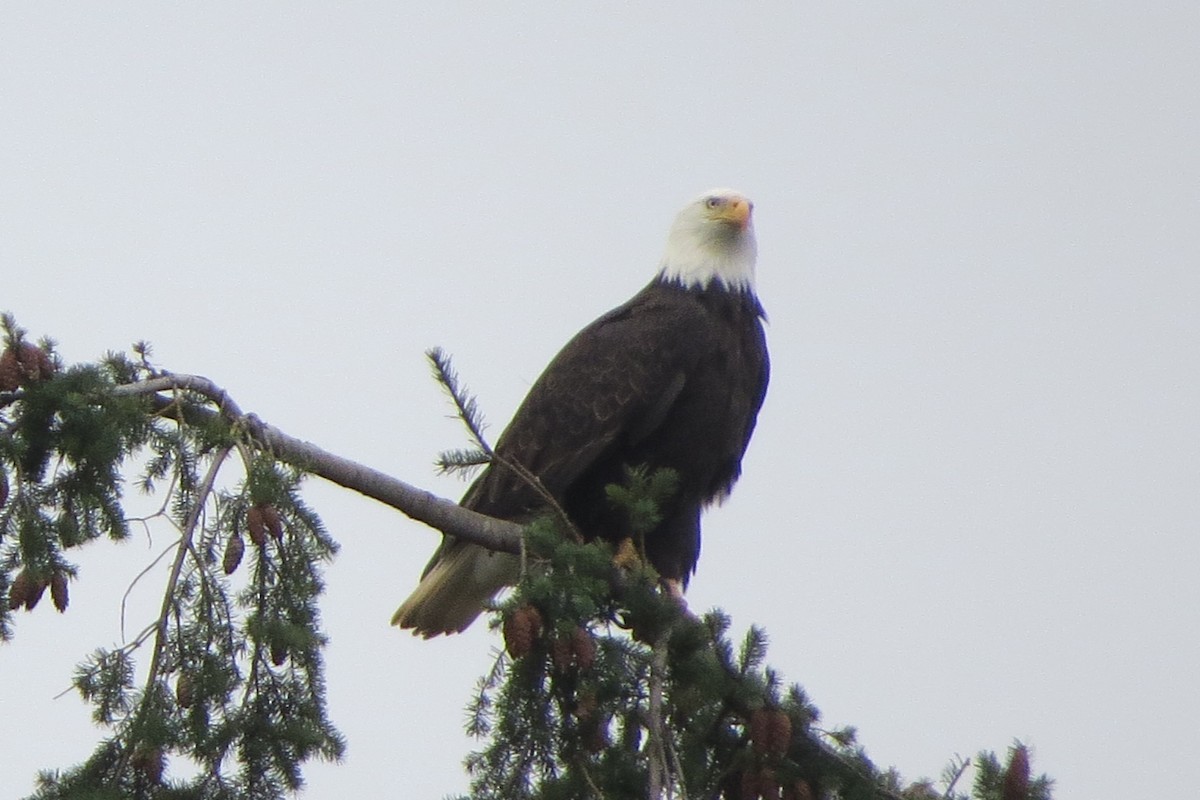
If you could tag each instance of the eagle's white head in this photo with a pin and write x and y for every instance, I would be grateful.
(713, 239)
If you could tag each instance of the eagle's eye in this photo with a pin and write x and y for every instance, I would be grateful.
(713, 202)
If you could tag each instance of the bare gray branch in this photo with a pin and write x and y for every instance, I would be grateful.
(444, 515)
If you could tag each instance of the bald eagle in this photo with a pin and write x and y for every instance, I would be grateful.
(674, 378)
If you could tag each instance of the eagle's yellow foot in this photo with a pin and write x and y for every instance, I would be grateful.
(673, 589)
(627, 556)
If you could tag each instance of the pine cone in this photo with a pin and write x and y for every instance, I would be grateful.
(58, 591)
(749, 785)
(149, 761)
(34, 362)
(185, 691)
(561, 652)
(10, 371)
(800, 790)
(33, 595)
(770, 732)
(279, 653)
(18, 590)
(583, 649)
(768, 784)
(760, 731)
(257, 524)
(273, 522)
(1016, 776)
(233, 553)
(779, 726)
(521, 630)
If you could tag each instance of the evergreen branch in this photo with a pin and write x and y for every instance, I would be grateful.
(575, 709)
(461, 461)
(465, 405)
(169, 593)
(185, 544)
(952, 776)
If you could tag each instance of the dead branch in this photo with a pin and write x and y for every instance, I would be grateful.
(437, 512)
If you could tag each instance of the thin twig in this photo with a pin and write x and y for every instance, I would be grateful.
(138, 577)
(185, 547)
(535, 483)
(468, 413)
(954, 780)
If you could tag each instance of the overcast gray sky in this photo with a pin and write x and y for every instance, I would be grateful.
(970, 512)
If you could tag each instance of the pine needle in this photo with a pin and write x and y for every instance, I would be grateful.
(464, 403)
(462, 461)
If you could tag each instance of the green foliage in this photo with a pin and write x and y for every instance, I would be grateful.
(1009, 781)
(235, 695)
(642, 495)
(461, 462)
(465, 407)
(605, 685)
(74, 422)
(566, 711)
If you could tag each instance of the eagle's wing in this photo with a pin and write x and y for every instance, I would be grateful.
(613, 383)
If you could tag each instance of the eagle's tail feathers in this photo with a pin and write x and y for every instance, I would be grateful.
(455, 589)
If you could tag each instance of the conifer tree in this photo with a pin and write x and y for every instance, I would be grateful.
(604, 687)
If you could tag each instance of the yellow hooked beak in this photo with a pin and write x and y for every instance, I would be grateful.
(734, 210)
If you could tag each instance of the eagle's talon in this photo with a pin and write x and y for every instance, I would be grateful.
(673, 589)
(627, 556)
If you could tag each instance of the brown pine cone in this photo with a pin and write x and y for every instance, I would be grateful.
(185, 691)
(58, 591)
(779, 727)
(760, 731)
(561, 653)
(749, 785)
(800, 790)
(10, 371)
(768, 784)
(150, 761)
(33, 594)
(273, 522)
(234, 549)
(34, 362)
(521, 630)
(257, 524)
(583, 649)
(18, 590)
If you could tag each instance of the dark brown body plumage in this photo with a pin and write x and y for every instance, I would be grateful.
(673, 378)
